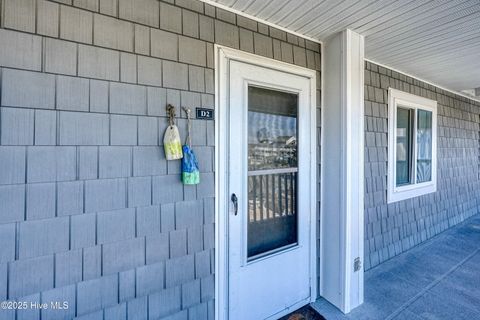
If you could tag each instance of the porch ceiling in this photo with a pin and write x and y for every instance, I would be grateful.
(436, 40)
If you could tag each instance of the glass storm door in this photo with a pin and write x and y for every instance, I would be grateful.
(269, 228)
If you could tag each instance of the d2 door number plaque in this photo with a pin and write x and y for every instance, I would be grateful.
(206, 114)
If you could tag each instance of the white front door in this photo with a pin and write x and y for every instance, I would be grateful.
(269, 187)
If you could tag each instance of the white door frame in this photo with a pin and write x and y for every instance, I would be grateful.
(222, 204)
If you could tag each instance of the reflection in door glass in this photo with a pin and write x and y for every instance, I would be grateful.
(272, 170)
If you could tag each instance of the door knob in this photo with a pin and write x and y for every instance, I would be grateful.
(235, 203)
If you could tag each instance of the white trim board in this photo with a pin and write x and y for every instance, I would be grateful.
(222, 204)
(249, 16)
(423, 80)
(322, 171)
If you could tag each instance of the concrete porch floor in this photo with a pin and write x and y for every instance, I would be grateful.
(439, 279)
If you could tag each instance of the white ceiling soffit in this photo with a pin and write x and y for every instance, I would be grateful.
(436, 40)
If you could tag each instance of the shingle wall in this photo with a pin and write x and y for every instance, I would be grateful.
(90, 210)
(391, 229)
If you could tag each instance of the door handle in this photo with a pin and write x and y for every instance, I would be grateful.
(235, 203)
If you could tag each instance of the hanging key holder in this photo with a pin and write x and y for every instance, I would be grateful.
(190, 169)
(171, 139)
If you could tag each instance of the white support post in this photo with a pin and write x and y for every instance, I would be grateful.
(342, 221)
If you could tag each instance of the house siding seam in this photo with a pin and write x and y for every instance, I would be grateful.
(391, 229)
(90, 210)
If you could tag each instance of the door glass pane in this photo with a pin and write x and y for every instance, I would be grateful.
(272, 170)
(404, 152)
(424, 146)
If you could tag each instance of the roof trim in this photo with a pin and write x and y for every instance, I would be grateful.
(423, 80)
(246, 15)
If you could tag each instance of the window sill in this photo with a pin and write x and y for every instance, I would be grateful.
(396, 194)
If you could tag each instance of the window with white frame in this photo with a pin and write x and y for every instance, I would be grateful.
(412, 145)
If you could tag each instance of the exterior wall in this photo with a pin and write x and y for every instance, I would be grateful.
(391, 229)
(90, 210)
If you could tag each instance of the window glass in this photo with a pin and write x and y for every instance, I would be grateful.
(424, 146)
(404, 139)
(272, 171)
(411, 146)
(272, 129)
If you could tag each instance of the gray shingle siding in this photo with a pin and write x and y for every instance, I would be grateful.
(391, 229)
(90, 210)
